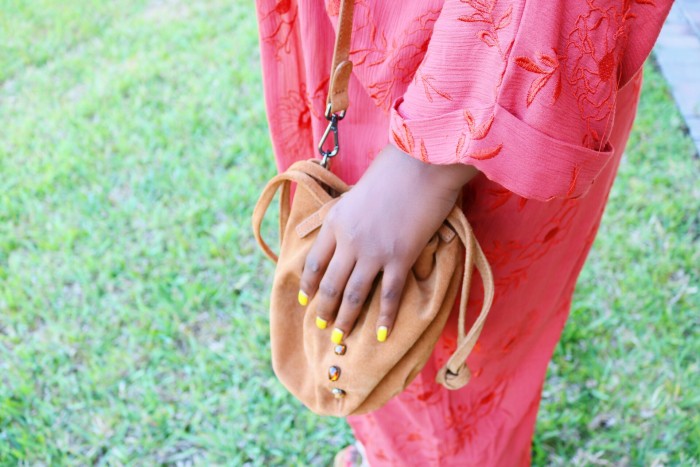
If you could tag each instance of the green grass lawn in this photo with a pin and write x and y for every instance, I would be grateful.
(133, 300)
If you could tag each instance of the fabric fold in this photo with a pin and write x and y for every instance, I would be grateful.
(518, 157)
(527, 98)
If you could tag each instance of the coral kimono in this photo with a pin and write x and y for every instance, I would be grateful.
(540, 96)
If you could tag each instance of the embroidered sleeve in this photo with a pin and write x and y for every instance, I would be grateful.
(524, 91)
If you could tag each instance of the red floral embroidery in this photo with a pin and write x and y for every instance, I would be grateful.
(284, 16)
(295, 123)
(477, 132)
(511, 261)
(485, 12)
(480, 131)
(502, 195)
(460, 146)
(404, 142)
(593, 51)
(552, 232)
(318, 99)
(377, 51)
(423, 152)
(465, 420)
(574, 176)
(546, 66)
(400, 56)
(429, 87)
(426, 391)
(484, 154)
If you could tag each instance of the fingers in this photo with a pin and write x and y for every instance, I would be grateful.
(341, 283)
(356, 291)
(316, 262)
(393, 281)
(330, 290)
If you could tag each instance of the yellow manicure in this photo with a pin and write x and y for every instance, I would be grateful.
(337, 336)
(321, 323)
(382, 332)
(303, 298)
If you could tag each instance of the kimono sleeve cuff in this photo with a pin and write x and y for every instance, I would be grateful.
(507, 150)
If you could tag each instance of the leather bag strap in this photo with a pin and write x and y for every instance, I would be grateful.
(306, 174)
(455, 373)
(341, 69)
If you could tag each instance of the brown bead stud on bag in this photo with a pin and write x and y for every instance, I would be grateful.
(362, 374)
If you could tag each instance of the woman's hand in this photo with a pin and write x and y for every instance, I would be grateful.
(382, 224)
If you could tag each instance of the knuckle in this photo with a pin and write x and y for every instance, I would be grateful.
(390, 294)
(353, 297)
(392, 286)
(353, 292)
(328, 290)
(312, 265)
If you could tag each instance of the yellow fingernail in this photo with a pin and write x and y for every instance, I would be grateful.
(321, 323)
(303, 298)
(382, 332)
(337, 336)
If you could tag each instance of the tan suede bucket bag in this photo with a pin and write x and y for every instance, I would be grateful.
(362, 374)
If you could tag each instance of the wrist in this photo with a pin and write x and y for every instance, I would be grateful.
(452, 176)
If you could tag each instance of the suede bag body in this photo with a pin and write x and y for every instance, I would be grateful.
(370, 372)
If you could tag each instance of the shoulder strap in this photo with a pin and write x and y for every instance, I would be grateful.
(338, 100)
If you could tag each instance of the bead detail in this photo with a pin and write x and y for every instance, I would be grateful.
(338, 393)
(333, 373)
(340, 349)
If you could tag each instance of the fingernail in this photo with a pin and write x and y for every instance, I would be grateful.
(321, 323)
(337, 336)
(382, 332)
(303, 298)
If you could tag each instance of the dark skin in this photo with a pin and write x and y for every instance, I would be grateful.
(382, 224)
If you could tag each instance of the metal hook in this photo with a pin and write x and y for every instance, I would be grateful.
(333, 119)
(332, 127)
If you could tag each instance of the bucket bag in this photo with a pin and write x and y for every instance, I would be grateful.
(361, 374)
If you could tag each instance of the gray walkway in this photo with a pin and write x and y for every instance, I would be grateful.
(678, 54)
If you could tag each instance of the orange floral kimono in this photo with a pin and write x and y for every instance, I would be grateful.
(540, 96)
